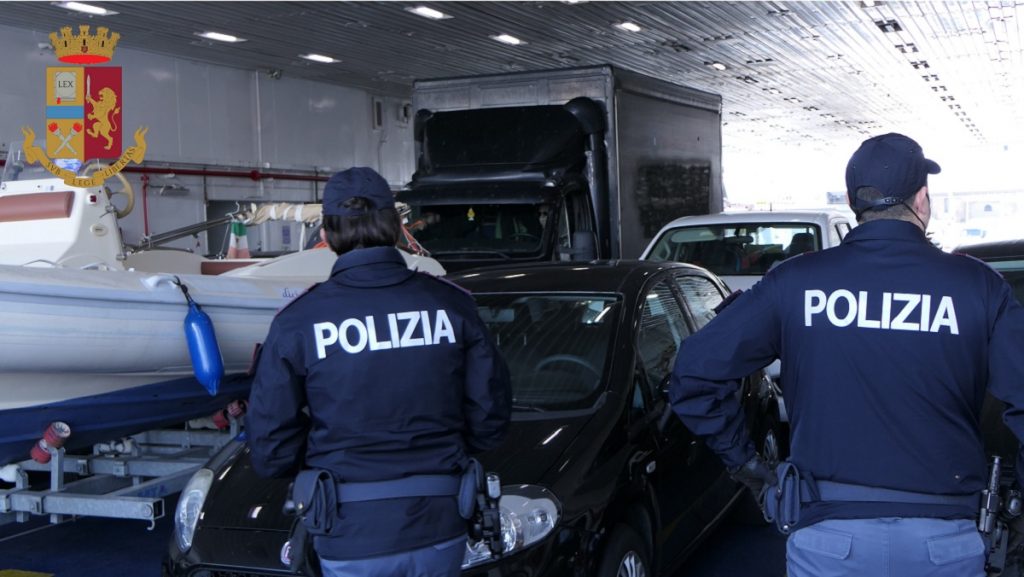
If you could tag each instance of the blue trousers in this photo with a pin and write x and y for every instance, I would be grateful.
(888, 547)
(441, 560)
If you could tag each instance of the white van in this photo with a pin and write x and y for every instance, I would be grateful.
(741, 246)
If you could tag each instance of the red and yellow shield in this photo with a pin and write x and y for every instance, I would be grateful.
(84, 111)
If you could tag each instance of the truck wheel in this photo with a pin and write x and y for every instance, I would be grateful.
(625, 555)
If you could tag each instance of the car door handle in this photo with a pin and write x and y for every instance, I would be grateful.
(692, 452)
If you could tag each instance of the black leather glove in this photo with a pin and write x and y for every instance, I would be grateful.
(755, 474)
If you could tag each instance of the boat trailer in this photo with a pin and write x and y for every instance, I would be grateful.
(124, 479)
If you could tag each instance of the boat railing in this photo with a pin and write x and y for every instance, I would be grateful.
(155, 240)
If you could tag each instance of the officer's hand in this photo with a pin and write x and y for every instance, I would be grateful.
(755, 474)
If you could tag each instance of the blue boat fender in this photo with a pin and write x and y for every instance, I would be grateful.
(207, 364)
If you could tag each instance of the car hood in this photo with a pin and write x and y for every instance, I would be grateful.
(532, 447)
(534, 443)
(241, 499)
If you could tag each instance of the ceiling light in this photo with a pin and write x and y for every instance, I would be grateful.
(319, 58)
(219, 37)
(716, 65)
(87, 8)
(427, 12)
(628, 26)
(868, 3)
(508, 39)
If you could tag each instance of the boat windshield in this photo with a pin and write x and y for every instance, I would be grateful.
(504, 229)
(556, 345)
(737, 249)
(16, 167)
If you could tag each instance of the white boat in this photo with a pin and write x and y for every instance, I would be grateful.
(92, 333)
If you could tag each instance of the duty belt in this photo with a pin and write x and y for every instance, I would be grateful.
(416, 486)
(782, 502)
(832, 491)
(316, 495)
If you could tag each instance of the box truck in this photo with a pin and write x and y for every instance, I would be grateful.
(572, 164)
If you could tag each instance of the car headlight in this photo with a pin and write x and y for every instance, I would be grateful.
(190, 507)
(528, 514)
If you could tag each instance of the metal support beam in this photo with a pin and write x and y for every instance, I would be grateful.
(130, 484)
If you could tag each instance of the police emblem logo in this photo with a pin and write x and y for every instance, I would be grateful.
(84, 111)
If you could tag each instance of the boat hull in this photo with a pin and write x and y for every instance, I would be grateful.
(116, 414)
(105, 351)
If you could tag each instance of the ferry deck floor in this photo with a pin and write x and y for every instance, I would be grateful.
(94, 547)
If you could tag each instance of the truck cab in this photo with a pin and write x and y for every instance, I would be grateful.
(567, 165)
(476, 199)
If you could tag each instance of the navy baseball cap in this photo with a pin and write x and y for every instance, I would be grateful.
(892, 163)
(356, 181)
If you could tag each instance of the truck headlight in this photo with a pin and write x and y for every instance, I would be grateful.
(528, 514)
(190, 507)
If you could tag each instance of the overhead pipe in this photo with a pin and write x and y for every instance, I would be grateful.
(255, 175)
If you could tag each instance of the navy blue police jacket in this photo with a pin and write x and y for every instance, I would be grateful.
(376, 374)
(887, 345)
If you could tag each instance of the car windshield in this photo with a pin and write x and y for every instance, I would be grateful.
(555, 345)
(737, 249)
(1013, 272)
(485, 228)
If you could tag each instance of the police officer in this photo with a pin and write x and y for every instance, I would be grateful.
(378, 375)
(887, 346)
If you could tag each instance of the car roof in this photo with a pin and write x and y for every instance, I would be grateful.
(610, 276)
(998, 250)
(728, 217)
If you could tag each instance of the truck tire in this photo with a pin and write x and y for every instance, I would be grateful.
(625, 555)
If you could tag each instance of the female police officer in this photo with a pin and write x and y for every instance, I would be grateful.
(887, 346)
(378, 376)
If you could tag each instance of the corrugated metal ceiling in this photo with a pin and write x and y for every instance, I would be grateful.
(798, 73)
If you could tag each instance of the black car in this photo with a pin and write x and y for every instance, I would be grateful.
(599, 476)
(1006, 256)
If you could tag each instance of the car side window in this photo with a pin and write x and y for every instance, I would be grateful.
(662, 328)
(701, 296)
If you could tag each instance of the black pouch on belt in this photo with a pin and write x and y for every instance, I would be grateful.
(315, 498)
(781, 503)
(471, 485)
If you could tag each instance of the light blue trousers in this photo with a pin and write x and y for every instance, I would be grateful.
(889, 547)
(440, 560)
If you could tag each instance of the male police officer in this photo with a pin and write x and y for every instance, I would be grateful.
(383, 378)
(887, 345)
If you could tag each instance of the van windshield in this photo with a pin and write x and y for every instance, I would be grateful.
(480, 227)
(736, 249)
